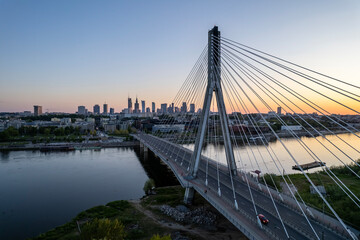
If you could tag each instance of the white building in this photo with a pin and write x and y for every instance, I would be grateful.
(169, 128)
(291, 128)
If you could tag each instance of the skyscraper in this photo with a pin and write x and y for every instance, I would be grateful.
(105, 109)
(153, 107)
(112, 111)
(96, 109)
(37, 110)
(147, 109)
(279, 110)
(184, 107)
(81, 110)
(163, 108)
(192, 108)
(130, 108)
(137, 110)
(142, 106)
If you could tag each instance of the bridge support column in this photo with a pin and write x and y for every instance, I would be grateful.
(189, 195)
(213, 86)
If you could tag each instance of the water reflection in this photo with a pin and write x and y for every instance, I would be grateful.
(156, 169)
(257, 157)
(42, 190)
(4, 156)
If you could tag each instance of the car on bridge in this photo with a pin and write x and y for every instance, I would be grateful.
(263, 219)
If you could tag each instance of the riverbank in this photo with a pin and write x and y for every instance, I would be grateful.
(148, 216)
(337, 198)
(68, 146)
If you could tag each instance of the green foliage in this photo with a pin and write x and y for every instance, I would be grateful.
(271, 179)
(148, 186)
(172, 196)
(339, 201)
(129, 129)
(103, 229)
(121, 132)
(157, 237)
(10, 132)
(98, 212)
(119, 205)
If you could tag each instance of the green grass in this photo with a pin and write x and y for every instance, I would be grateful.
(338, 200)
(122, 210)
(172, 196)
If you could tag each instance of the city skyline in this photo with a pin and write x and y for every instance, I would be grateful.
(60, 58)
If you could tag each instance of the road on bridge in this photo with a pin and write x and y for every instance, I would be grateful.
(295, 222)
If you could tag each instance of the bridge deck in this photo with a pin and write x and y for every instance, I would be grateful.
(178, 158)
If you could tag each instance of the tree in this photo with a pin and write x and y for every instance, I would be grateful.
(157, 237)
(148, 186)
(13, 132)
(103, 229)
(47, 131)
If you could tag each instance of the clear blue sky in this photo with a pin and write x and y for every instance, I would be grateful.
(61, 54)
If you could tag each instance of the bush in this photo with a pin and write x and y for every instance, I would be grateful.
(157, 237)
(103, 229)
(148, 186)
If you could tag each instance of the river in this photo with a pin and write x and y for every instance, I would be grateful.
(257, 157)
(39, 191)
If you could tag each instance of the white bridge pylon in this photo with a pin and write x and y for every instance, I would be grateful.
(213, 87)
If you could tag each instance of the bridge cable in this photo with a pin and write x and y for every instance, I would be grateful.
(296, 93)
(290, 154)
(317, 122)
(338, 80)
(327, 168)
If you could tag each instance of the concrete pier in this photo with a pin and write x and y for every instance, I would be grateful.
(189, 195)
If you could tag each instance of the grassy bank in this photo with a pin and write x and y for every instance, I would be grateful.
(142, 220)
(137, 225)
(341, 203)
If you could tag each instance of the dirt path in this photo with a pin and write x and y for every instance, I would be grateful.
(227, 234)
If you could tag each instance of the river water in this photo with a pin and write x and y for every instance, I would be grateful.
(251, 158)
(39, 191)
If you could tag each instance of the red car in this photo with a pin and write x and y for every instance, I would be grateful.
(263, 219)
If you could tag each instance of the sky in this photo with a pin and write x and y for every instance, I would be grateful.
(62, 54)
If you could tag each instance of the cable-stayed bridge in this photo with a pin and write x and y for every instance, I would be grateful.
(235, 84)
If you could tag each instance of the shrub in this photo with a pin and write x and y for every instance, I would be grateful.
(157, 237)
(103, 229)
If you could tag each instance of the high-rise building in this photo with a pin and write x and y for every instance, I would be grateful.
(153, 107)
(163, 108)
(184, 107)
(81, 110)
(37, 110)
(137, 109)
(130, 108)
(105, 109)
(112, 111)
(147, 109)
(279, 110)
(143, 106)
(192, 108)
(96, 109)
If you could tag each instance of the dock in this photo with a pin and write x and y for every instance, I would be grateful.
(308, 166)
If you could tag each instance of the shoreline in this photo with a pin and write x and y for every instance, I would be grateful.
(72, 146)
(143, 219)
